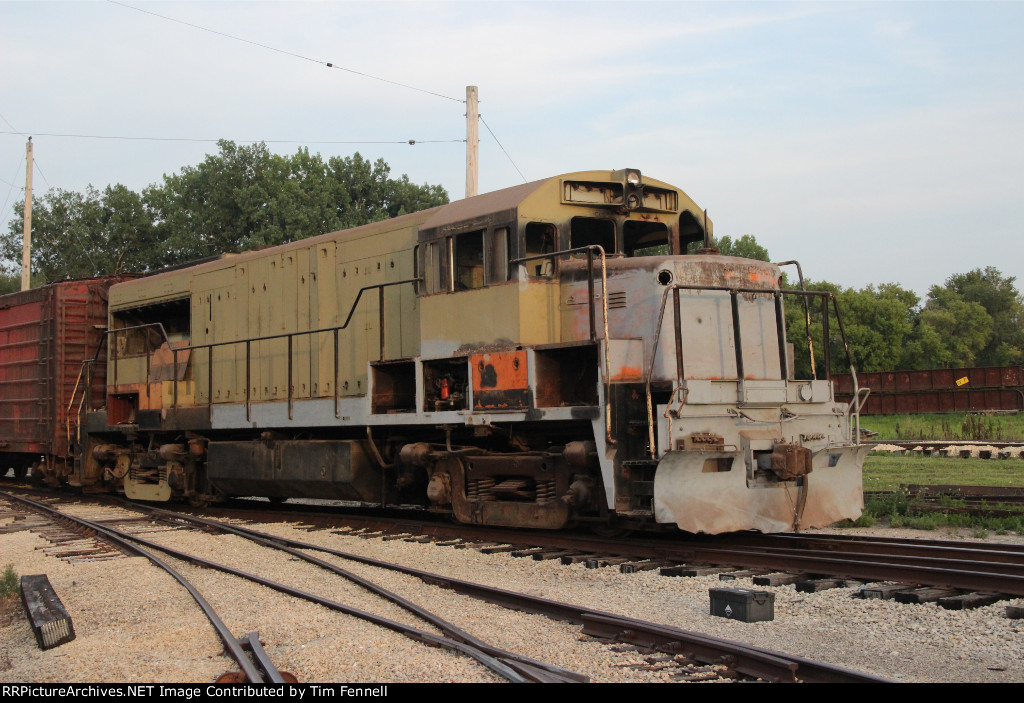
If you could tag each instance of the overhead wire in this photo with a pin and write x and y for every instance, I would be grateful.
(13, 186)
(35, 165)
(324, 63)
(502, 148)
(7, 121)
(328, 64)
(410, 142)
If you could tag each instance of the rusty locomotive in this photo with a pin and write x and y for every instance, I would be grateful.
(567, 351)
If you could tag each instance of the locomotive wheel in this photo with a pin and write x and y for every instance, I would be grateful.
(609, 531)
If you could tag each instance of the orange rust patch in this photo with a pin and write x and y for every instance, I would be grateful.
(628, 373)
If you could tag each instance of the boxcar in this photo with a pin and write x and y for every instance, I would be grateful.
(46, 335)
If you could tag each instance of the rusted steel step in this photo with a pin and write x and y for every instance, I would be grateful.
(925, 595)
(968, 601)
(50, 622)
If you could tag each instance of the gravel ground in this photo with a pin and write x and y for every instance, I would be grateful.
(135, 624)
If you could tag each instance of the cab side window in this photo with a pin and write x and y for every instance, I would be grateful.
(540, 239)
(469, 260)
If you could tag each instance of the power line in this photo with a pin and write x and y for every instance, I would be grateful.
(35, 163)
(502, 148)
(410, 142)
(11, 190)
(7, 121)
(287, 53)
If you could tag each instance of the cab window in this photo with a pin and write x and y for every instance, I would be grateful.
(540, 239)
(587, 231)
(645, 239)
(469, 260)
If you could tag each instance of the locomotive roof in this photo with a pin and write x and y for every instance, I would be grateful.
(457, 211)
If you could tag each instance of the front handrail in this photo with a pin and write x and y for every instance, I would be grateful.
(737, 341)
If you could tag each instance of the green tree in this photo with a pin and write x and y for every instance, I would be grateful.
(878, 322)
(1004, 304)
(246, 197)
(746, 247)
(80, 235)
(952, 331)
(242, 197)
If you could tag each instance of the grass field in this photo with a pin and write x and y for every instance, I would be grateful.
(887, 473)
(958, 426)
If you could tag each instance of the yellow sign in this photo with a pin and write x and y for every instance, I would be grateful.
(961, 381)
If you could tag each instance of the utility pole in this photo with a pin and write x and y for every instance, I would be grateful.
(26, 247)
(472, 141)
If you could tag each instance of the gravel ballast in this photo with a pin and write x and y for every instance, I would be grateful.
(134, 623)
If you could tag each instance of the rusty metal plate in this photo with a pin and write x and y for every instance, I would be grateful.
(500, 380)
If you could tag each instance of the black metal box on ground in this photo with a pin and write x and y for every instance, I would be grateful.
(742, 604)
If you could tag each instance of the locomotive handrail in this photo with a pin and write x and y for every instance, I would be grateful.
(807, 313)
(289, 336)
(590, 250)
(737, 342)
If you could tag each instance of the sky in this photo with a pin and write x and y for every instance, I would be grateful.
(875, 142)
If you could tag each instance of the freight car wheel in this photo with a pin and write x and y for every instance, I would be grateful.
(20, 471)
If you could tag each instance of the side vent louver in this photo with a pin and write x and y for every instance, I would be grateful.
(616, 299)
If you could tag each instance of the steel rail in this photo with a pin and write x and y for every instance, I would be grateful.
(892, 546)
(472, 644)
(579, 614)
(745, 659)
(252, 672)
(232, 644)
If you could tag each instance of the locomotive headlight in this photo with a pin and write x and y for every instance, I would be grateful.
(633, 177)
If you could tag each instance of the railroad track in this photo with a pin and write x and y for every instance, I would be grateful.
(255, 666)
(967, 573)
(689, 656)
(510, 666)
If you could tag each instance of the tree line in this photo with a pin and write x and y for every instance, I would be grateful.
(245, 197)
(241, 198)
(974, 319)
